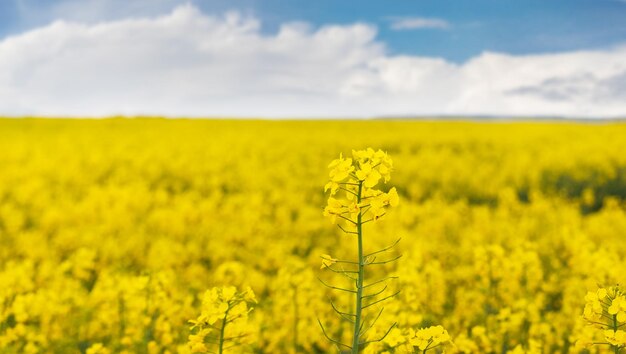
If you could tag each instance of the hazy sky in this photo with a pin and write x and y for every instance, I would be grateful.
(321, 58)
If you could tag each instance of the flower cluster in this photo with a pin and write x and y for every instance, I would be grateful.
(428, 338)
(356, 177)
(605, 310)
(412, 341)
(223, 319)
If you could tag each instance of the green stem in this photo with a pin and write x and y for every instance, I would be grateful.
(121, 309)
(359, 285)
(221, 343)
(615, 347)
(295, 319)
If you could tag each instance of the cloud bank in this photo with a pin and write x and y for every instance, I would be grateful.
(188, 63)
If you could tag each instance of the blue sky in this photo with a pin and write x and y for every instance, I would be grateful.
(314, 58)
(516, 27)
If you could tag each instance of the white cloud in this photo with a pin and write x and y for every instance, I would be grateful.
(409, 23)
(187, 63)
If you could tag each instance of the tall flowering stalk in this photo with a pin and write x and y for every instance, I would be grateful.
(605, 309)
(222, 324)
(354, 201)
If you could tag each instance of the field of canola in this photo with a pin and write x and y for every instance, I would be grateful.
(119, 235)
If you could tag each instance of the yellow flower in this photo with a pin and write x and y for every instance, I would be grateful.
(333, 186)
(615, 337)
(327, 261)
(394, 199)
(196, 343)
(368, 175)
(616, 305)
(333, 208)
(427, 338)
(97, 348)
(377, 207)
(340, 169)
(394, 337)
(584, 343)
(228, 293)
(249, 295)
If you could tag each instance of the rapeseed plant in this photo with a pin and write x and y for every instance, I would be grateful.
(354, 201)
(222, 324)
(605, 311)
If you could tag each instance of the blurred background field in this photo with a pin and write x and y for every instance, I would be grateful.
(112, 229)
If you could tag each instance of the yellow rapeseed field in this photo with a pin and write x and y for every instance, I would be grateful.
(193, 236)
